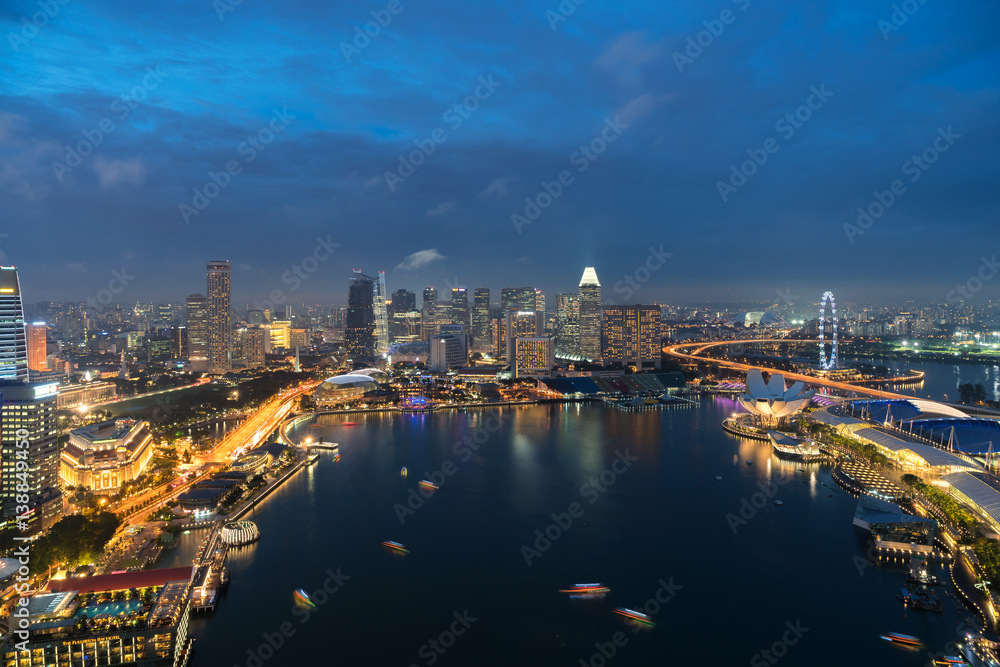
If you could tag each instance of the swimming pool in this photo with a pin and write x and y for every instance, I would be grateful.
(123, 607)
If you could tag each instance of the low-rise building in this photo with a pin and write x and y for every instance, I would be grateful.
(102, 457)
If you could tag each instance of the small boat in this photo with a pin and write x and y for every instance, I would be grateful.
(402, 473)
(945, 661)
(588, 590)
(349, 424)
(749, 462)
(718, 478)
(336, 457)
(395, 546)
(302, 598)
(636, 616)
(900, 638)
(428, 485)
(778, 503)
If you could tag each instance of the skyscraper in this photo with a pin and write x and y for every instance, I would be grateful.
(359, 333)
(220, 318)
(460, 313)
(403, 301)
(540, 302)
(590, 315)
(13, 343)
(430, 295)
(37, 349)
(517, 298)
(568, 323)
(197, 331)
(28, 436)
(381, 316)
(632, 336)
(534, 356)
(481, 338)
(520, 323)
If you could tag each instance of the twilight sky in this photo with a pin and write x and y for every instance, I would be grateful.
(113, 115)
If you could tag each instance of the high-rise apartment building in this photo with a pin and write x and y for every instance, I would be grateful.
(590, 315)
(359, 334)
(197, 331)
(481, 330)
(13, 340)
(220, 318)
(632, 336)
(37, 348)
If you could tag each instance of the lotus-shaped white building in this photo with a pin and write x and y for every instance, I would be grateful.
(772, 401)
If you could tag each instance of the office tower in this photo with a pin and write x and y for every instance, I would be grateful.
(517, 298)
(590, 315)
(13, 341)
(28, 437)
(632, 336)
(220, 318)
(281, 335)
(403, 301)
(405, 327)
(179, 342)
(540, 303)
(164, 315)
(568, 323)
(197, 331)
(381, 316)
(157, 348)
(339, 316)
(298, 338)
(37, 354)
(534, 356)
(520, 323)
(460, 313)
(359, 333)
(430, 294)
(481, 337)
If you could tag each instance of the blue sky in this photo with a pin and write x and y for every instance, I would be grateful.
(182, 91)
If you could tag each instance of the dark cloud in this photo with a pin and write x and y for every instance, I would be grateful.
(222, 82)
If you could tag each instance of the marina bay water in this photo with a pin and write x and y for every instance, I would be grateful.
(557, 495)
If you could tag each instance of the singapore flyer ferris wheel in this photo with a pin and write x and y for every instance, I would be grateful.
(825, 362)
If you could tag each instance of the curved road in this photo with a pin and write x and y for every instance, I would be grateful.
(676, 352)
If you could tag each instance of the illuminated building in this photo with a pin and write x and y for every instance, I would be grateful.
(773, 401)
(403, 301)
(405, 327)
(482, 338)
(590, 315)
(381, 315)
(568, 323)
(359, 334)
(632, 336)
(341, 388)
(37, 351)
(13, 344)
(534, 356)
(197, 331)
(281, 334)
(517, 298)
(102, 457)
(67, 625)
(540, 302)
(460, 313)
(81, 395)
(253, 347)
(430, 294)
(447, 351)
(298, 338)
(179, 342)
(520, 323)
(28, 436)
(219, 317)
